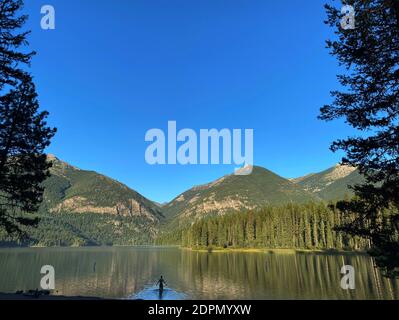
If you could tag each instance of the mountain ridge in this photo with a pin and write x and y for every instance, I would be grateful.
(73, 190)
(331, 184)
(235, 193)
(82, 207)
(227, 193)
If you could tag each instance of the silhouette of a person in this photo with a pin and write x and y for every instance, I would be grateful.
(161, 282)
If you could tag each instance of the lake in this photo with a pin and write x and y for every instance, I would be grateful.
(131, 272)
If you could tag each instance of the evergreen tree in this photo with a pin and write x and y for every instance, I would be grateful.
(12, 42)
(23, 166)
(296, 226)
(23, 130)
(370, 103)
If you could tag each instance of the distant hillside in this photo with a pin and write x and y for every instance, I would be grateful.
(331, 184)
(235, 193)
(86, 208)
(71, 190)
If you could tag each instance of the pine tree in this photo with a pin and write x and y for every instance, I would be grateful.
(370, 104)
(250, 229)
(24, 134)
(12, 43)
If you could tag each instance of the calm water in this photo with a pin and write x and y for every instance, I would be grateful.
(122, 272)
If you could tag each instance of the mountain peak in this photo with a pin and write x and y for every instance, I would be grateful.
(51, 157)
(236, 193)
(59, 165)
(331, 184)
(340, 171)
(72, 190)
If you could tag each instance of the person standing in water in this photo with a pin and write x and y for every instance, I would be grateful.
(161, 282)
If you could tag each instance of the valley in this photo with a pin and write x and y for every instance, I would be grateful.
(85, 208)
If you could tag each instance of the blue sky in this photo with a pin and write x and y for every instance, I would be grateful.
(114, 69)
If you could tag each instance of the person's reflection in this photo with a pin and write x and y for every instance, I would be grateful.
(161, 282)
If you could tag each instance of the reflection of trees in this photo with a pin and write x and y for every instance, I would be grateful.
(273, 276)
(119, 272)
(108, 272)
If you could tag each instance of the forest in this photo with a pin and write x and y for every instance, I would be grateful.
(293, 226)
(90, 229)
(308, 226)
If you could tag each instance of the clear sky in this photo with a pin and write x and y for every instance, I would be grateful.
(114, 69)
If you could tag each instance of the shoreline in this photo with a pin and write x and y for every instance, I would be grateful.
(204, 250)
(273, 251)
(90, 247)
(23, 297)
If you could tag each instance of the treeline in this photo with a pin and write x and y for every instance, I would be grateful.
(87, 229)
(293, 226)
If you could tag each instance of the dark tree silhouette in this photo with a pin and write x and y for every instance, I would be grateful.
(23, 165)
(12, 41)
(369, 102)
(23, 130)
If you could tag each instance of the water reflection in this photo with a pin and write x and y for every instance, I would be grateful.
(126, 271)
(152, 293)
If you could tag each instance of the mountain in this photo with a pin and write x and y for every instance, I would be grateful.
(71, 190)
(235, 193)
(83, 207)
(331, 184)
(86, 208)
